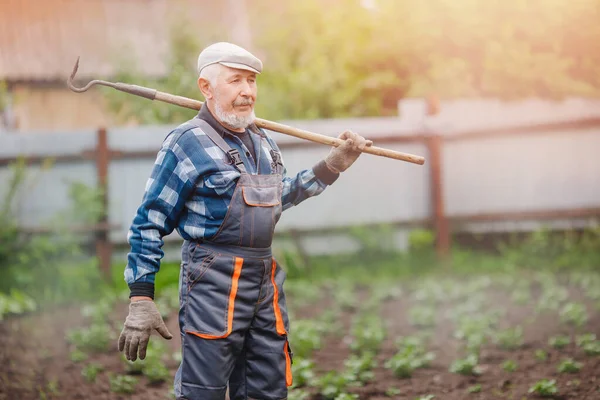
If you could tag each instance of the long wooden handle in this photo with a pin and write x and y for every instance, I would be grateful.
(288, 130)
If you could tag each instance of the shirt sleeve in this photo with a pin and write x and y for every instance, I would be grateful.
(306, 183)
(171, 182)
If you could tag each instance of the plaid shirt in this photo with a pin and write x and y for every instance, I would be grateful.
(190, 189)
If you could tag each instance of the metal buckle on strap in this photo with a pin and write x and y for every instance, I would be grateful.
(234, 157)
(276, 157)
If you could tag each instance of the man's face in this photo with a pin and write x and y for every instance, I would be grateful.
(234, 95)
(235, 91)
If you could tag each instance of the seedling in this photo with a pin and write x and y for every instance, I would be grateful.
(78, 356)
(411, 355)
(584, 339)
(574, 314)
(422, 317)
(426, 397)
(298, 394)
(466, 366)
(361, 367)
(334, 383)
(303, 371)
(392, 391)
(592, 348)
(559, 341)
(368, 333)
(544, 388)
(474, 388)
(346, 396)
(90, 371)
(510, 339)
(509, 366)
(569, 366)
(541, 355)
(96, 338)
(156, 372)
(124, 384)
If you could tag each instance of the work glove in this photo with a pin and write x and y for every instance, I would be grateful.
(142, 319)
(342, 157)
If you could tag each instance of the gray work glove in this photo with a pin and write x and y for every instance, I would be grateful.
(342, 157)
(142, 319)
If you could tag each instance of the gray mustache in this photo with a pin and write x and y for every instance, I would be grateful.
(243, 103)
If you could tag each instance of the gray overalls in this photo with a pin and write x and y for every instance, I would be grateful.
(233, 318)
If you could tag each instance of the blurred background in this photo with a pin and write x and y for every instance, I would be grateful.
(502, 98)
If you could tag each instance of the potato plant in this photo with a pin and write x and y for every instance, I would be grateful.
(123, 384)
(466, 366)
(544, 388)
(569, 366)
(510, 339)
(559, 341)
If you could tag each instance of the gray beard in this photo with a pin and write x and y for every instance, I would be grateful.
(233, 120)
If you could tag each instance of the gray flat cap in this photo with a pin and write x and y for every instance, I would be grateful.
(229, 55)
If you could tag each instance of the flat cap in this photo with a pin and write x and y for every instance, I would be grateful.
(230, 55)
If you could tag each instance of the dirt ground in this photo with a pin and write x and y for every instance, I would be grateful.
(35, 357)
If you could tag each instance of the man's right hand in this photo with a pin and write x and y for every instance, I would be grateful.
(142, 319)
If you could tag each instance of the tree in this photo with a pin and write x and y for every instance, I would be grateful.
(337, 58)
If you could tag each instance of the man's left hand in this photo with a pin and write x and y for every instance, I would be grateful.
(342, 157)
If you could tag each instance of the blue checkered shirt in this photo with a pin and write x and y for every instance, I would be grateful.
(190, 189)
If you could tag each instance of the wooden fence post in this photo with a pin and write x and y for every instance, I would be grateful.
(103, 245)
(440, 221)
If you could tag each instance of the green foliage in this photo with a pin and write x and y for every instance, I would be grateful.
(123, 384)
(350, 61)
(586, 338)
(592, 348)
(180, 80)
(54, 266)
(298, 394)
(569, 365)
(303, 372)
(510, 366)
(361, 366)
(368, 333)
(549, 249)
(510, 339)
(474, 389)
(334, 383)
(16, 302)
(466, 366)
(90, 371)
(544, 388)
(541, 355)
(3, 95)
(411, 355)
(95, 338)
(422, 317)
(574, 314)
(559, 341)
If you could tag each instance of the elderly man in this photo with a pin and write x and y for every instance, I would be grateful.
(221, 182)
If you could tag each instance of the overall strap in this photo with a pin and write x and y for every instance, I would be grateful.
(232, 154)
(276, 162)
